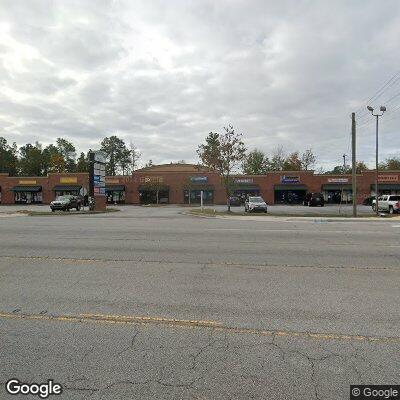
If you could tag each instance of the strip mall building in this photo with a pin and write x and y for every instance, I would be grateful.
(182, 184)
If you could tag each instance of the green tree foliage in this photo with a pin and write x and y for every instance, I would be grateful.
(223, 153)
(8, 157)
(390, 164)
(82, 164)
(277, 160)
(339, 169)
(31, 162)
(68, 153)
(292, 162)
(118, 155)
(255, 163)
(308, 160)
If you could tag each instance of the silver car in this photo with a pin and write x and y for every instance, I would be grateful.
(255, 203)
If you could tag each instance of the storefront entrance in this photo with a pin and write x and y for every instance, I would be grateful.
(337, 194)
(154, 196)
(289, 194)
(27, 194)
(115, 194)
(195, 196)
(63, 190)
(244, 192)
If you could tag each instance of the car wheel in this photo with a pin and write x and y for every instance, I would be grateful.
(78, 208)
(391, 211)
(373, 208)
(52, 210)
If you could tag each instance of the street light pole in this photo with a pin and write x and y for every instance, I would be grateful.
(382, 109)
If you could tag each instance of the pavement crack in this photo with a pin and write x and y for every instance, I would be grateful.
(131, 343)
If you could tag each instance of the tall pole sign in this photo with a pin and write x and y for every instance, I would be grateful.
(97, 180)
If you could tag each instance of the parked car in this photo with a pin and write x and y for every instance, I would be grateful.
(255, 203)
(235, 201)
(314, 200)
(66, 202)
(389, 203)
(368, 201)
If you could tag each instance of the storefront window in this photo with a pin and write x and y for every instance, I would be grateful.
(116, 197)
(195, 196)
(28, 197)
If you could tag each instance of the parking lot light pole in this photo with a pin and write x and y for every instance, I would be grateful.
(382, 110)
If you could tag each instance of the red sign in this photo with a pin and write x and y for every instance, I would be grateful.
(388, 178)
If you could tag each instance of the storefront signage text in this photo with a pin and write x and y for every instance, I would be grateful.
(71, 179)
(243, 180)
(290, 179)
(112, 180)
(199, 179)
(151, 179)
(26, 182)
(338, 180)
(388, 178)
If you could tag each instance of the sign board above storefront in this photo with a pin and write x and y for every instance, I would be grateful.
(112, 180)
(199, 179)
(290, 179)
(388, 178)
(338, 180)
(151, 179)
(243, 180)
(27, 182)
(69, 179)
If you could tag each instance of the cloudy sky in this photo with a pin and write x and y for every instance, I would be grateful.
(165, 73)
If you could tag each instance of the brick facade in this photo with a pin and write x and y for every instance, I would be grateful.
(178, 177)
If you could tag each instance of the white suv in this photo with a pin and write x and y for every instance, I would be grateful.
(255, 203)
(388, 202)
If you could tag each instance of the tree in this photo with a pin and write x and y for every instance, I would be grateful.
(57, 163)
(149, 164)
(82, 165)
(31, 160)
(308, 160)
(68, 152)
(8, 157)
(339, 169)
(390, 164)
(49, 155)
(116, 153)
(255, 163)
(292, 162)
(135, 156)
(277, 159)
(125, 161)
(223, 152)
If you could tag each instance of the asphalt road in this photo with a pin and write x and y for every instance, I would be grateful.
(150, 303)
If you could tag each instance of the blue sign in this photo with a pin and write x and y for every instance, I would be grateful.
(199, 179)
(290, 179)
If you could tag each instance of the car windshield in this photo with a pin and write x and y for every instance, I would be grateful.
(256, 199)
(63, 198)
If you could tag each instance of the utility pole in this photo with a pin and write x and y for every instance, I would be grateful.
(382, 110)
(354, 164)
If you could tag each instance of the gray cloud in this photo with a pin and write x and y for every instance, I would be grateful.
(164, 75)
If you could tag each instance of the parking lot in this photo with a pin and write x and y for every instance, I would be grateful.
(152, 303)
(331, 210)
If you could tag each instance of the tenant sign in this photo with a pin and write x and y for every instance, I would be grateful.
(243, 180)
(290, 179)
(199, 179)
(388, 178)
(338, 180)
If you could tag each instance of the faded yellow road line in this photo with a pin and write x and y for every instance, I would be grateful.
(123, 319)
(255, 266)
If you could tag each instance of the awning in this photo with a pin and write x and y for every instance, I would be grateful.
(241, 186)
(115, 188)
(336, 186)
(203, 186)
(67, 188)
(151, 188)
(386, 186)
(26, 189)
(290, 187)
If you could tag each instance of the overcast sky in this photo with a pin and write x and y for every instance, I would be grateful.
(165, 73)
